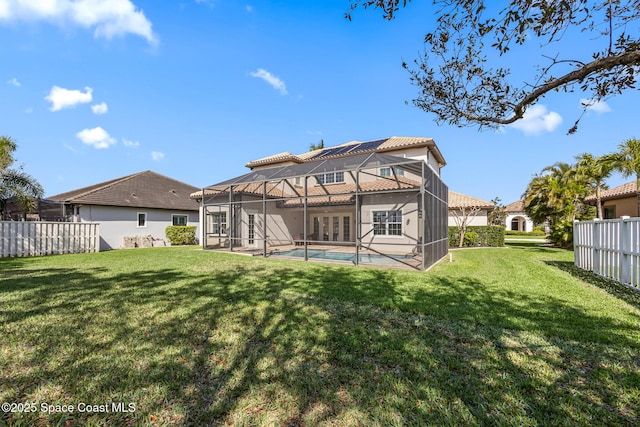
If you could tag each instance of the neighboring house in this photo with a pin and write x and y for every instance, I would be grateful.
(517, 219)
(383, 196)
(476, 210)
(138, 205)
(618, 201)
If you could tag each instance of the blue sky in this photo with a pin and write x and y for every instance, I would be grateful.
(194, 89)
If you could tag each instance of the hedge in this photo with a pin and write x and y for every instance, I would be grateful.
(540, 233)
(181, 234)
(488, 235)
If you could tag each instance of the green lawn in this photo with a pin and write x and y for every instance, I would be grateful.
(505, 336)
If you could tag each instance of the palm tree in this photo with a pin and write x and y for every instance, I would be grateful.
(15, 183)
(627, 161)
(318, 146)
(595, 170)
(555, 196)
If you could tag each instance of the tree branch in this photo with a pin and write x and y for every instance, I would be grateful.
(600, 64)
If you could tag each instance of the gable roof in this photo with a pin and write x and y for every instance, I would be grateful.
(350, 148)
(146, 189)
(621, 191)
(458, 200)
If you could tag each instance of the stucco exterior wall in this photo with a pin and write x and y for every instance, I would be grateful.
(623, 207)
(525, 223)
(408, 204)
(116, 223)
(482, 218)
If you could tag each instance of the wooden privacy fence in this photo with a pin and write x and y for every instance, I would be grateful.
(609, 248)
(34, 238)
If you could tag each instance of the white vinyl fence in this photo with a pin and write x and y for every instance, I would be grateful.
(34, 238)
(609, 248)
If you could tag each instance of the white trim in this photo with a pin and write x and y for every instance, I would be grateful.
(387, 236)
(175, 215)
(138, 220)
(224, 224)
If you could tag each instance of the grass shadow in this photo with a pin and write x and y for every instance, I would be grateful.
(207, 339)
(625, 293)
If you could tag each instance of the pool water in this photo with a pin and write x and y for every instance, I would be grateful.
(342, 256)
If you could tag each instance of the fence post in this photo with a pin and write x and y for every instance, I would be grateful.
(625, 250)
(596, 245)
(577, 249)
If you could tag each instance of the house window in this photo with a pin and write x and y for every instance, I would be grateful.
(330, 177)
(387, 223)
(219, 223)
(142, 219)
(609, 212)
(179, 219)
(386, 172)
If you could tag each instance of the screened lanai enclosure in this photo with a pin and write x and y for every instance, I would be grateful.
(368, 209)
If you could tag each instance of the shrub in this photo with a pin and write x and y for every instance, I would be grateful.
(470, 238)
(488, 235)
(525, 233)
(562, 234)
(539, 229)
(181, 234)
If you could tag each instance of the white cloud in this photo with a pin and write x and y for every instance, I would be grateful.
(274, 81)
(101, 108)
(97, 137)
(65, 98)
(249, 8)
(108, 18)
(14, 81)
(595, 105)
(538, 119)
(157, 155)
(129, 143)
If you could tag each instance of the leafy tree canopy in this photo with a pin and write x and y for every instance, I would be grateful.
(460, 84)
(15, 183)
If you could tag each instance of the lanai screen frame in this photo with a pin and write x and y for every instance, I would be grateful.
(431, 194)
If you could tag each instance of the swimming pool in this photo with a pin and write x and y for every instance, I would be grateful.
(365, 258)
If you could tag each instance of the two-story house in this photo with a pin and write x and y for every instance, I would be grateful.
(375, 202)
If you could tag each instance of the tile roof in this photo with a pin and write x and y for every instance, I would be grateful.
(457, 200)
(142, 190)
(517, 206)
(621, 191)
(276, 158)
(315, 191)
(387, 144)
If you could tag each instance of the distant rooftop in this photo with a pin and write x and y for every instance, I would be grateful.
(624, 190)
(146, 189)
(458, 200)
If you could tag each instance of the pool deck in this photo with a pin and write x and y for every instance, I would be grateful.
(414, 262)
